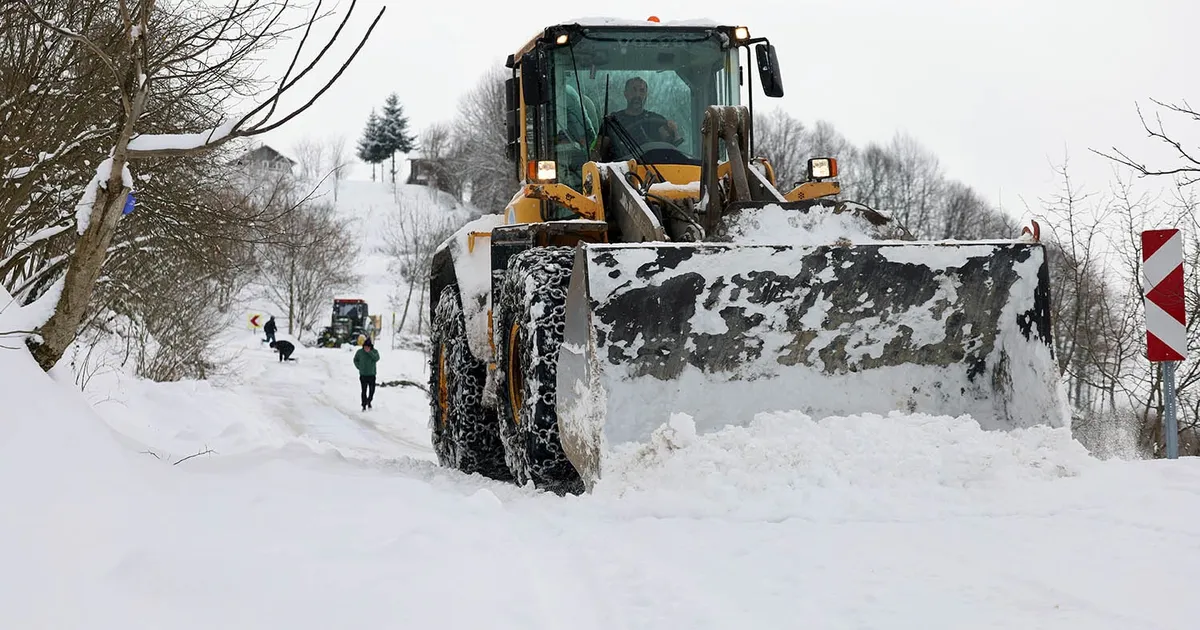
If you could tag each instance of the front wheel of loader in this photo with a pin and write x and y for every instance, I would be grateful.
(465, 434)
(529, 330)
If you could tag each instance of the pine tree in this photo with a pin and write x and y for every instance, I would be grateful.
(393, 130)
(371, 146)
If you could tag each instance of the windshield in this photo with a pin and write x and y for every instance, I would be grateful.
(639, 93)
(351, 310)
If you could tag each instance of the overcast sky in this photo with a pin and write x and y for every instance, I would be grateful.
(996, 89)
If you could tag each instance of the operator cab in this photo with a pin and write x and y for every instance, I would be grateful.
(612, 91)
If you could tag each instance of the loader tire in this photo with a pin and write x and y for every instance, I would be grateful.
(465, 434)
(528, 334)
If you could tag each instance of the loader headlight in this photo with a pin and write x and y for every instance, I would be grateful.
(821, 168)
(741, 33)
(542, 171)
(561, 39)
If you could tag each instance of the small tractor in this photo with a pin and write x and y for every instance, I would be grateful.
(650, 264)
(350, 322)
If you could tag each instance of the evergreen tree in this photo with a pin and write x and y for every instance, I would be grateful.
(372, 148)
(393, 130)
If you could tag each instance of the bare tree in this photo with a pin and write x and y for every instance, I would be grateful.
(322, 159)
(1180, 212)
(479, 143)
(784, 141)
(437, 146)
(919, 183)
(310, 158)
(411, 233)
(339, 159)
(314, 257)
(154, 54)
(1188, 168)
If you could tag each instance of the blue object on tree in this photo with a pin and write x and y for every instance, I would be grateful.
(128, 204)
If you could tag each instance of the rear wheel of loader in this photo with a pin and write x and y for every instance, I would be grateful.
(529, 332)
(465, 433)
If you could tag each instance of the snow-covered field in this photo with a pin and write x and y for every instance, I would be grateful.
(309, 513)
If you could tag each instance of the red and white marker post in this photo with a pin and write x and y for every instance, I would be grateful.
(1166, 316)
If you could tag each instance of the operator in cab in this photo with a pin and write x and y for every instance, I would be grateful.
(640, 124)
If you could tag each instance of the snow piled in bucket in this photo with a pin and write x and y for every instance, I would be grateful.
(819, 225)
(787, 465)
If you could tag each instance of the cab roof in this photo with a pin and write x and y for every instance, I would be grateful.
(617, 24)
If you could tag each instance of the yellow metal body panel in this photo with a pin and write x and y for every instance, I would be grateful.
(813, 190)
(523, 209)
(586, 207)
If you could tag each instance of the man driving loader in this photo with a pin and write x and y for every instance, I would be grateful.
(634, 124)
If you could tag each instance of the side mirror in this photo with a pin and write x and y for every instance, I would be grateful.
(535, 85)
(512, 112)
(768, 70)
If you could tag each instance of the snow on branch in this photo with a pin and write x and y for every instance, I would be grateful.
(163, 144)
(87, 201)
(40, 236)
(44, 158)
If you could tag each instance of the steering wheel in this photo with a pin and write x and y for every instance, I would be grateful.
(666, 152)
(659, 145)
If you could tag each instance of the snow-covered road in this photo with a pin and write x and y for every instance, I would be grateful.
(341, 518)
(262, 403)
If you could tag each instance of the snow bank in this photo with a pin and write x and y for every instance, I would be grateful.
(60, 471)
(788, 464)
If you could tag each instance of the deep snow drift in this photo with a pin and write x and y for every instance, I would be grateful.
(312, 514)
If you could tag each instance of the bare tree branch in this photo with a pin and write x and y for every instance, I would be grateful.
(99, 52)
(183, 145)
(1191, 167)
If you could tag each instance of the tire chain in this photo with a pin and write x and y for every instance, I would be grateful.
(536, 279)
(469, 441)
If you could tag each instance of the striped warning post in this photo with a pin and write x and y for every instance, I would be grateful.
(1162, 283)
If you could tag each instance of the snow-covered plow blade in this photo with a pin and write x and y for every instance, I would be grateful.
(724, 331)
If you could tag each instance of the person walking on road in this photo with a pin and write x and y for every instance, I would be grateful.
(270, 329)
(365, 359)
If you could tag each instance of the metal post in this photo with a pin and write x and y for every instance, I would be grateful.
(1172, 428)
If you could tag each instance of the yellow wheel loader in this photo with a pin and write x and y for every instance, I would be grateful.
(649, 265)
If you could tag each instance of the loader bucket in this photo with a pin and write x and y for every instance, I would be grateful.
(723, 331)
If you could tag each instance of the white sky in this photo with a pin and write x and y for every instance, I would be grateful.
(996, 89)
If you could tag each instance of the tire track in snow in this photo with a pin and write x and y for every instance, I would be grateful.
(558, 577)
(305, 397)
(1060, 599)
(358, 417)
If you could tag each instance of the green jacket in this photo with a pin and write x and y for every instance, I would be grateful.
(365, 361)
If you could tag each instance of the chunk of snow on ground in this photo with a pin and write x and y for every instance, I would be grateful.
(774, 465)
